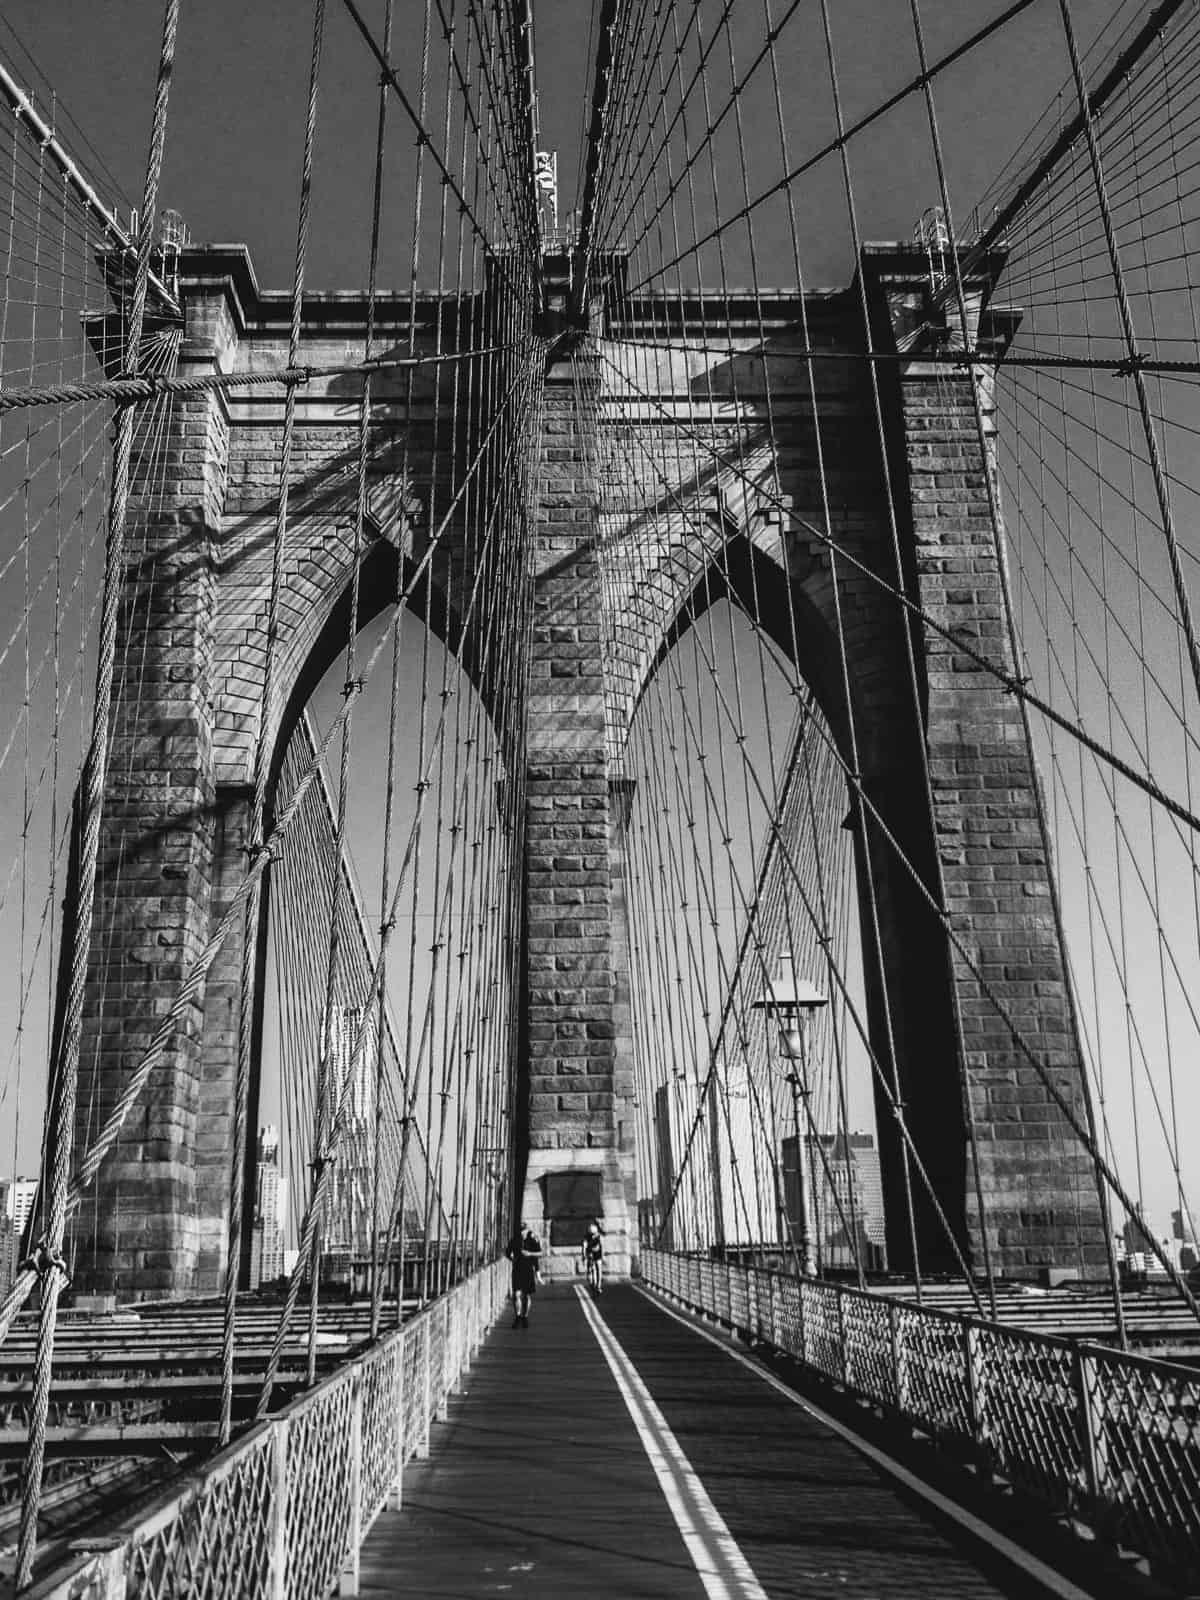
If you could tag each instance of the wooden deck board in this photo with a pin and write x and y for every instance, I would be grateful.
(537, 1485)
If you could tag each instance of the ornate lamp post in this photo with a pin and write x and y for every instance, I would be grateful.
(790, 1002)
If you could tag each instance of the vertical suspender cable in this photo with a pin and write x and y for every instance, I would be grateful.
(360, 510)
(66, 1074)
(1006, 588)
(250, 925)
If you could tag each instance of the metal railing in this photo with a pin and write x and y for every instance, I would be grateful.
(282, 1513)
(1105, 1438)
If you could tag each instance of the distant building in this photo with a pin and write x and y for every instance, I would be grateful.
(17, 1198)
(21, 1198)
(266, 1240)
(649, 1220)
(6, 1239)
(665, 1164)
(1185, 1235)
(1137, 1238)
(351, 1085)
(845, 1193)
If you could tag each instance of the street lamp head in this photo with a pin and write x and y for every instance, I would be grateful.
(787, 1001)
(786, 997)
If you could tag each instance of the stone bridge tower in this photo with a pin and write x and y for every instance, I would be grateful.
(178, 801)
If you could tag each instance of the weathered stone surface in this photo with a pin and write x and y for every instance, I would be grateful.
(580, 1120)
(187, 710)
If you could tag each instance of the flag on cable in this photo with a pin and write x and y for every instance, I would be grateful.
(545, 178)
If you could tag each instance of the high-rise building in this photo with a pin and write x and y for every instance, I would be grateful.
(17, 1198)
(6, 1238)
(1183, 1231)
(270, 1200)
(351, 1085)
(865, 1154)
(21, 1197)
(665, 1164)
(845, 1194)
(1137, 1239)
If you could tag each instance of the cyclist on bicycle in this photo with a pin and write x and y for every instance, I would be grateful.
(593, 1256)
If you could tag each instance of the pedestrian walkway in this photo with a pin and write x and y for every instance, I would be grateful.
(611, 1450)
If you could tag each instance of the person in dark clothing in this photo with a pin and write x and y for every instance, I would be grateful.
(592, 1255)
(525, 1253)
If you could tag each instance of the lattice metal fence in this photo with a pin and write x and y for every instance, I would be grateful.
(282, 1513)
(1109, 1439)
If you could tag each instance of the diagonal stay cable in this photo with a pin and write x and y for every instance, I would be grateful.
(390, 77)
(1011, 681)
(831, 148)
(331, 1129)
(21, 1288)
(48, 1263)
(129, 389)
(891, 1091)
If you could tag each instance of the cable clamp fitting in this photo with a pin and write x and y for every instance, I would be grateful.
(43, 1260)
(1131, 365)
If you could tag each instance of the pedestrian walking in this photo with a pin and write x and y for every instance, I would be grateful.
(525, 1253)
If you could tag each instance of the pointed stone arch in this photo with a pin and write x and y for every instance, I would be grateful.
(187, 705)
(185, 722)
(946, 774)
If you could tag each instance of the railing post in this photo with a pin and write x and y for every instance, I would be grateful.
(899, 1358)
(351, 1568)
(1091, 1425)
(107, 1573)
(802, 1321)
(396, 1496)
(460, 1314)
(443, 1388)
(976, 1396)
(426, 1387)
(839, 1300)
(279, 1547)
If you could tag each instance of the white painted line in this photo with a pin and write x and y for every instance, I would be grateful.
(1053, 1580)
(723, 1569)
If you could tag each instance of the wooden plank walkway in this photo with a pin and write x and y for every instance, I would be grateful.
(539, 1485)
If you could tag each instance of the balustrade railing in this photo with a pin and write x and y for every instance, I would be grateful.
(1106, 1438)
(281, 1514)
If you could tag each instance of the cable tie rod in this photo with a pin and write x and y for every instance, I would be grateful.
(43, 1260)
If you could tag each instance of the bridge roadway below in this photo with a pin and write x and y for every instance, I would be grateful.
(612, 1449)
